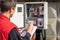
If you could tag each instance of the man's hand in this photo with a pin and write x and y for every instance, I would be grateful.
(30, 26)
(21, 30)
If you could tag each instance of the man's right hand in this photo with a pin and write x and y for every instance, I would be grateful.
(30, 26)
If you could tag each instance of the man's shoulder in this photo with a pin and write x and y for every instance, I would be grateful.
(6, 25)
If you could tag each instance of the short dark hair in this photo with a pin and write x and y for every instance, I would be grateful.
(5, 5)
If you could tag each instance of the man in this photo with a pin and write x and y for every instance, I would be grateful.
(8, 30)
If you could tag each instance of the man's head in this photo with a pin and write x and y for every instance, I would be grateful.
(8, 6)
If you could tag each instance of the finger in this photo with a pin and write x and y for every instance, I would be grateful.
(30, 22)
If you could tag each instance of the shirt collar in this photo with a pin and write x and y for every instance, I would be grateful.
(4, 17)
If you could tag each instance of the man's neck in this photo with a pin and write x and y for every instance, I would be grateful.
(6, 14)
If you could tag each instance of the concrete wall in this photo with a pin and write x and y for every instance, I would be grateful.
(53, 20)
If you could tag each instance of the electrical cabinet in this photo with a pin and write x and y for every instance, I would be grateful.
(37, 12)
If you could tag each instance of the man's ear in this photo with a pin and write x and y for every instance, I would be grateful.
(11, 11)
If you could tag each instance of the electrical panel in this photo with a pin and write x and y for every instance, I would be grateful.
(37, 12)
